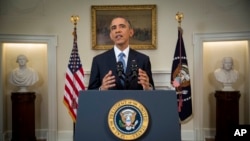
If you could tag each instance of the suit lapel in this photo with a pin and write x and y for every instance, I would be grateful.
(131, 56)
(112, 59)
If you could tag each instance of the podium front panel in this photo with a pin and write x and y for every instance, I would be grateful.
(94, 107)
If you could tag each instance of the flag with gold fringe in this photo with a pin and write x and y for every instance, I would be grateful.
(74, 81)
(180, 79)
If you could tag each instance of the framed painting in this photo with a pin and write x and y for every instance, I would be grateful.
(142, 17)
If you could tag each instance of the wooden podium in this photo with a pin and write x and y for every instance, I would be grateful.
(227, 113)
(23, 116)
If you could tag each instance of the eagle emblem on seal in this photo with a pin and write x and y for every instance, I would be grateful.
(128, 121)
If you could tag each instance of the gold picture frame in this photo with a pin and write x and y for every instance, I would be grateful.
(142, 17)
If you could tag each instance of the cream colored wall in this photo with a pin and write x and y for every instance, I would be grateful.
(52, 18)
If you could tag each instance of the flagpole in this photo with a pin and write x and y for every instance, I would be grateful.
(74, 19)
(179, 16)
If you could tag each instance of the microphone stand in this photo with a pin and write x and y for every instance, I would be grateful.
(127, 82)
(127, 78)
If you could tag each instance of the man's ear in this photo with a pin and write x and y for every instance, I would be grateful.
(131, 32)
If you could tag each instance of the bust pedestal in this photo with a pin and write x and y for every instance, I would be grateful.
(227, 113)
(23, 116)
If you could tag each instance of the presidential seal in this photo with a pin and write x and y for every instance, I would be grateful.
(128, 119)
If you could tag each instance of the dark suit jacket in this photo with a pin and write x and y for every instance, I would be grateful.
(106, 61)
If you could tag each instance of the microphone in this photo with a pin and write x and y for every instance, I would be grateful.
(134, 69)
(119, 68)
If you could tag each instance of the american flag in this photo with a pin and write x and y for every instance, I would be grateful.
(74, 81)
(180, 79)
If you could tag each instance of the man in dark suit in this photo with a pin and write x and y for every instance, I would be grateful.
(104, 66)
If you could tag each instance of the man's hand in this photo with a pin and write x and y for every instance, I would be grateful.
(144, 80)
(108, 81)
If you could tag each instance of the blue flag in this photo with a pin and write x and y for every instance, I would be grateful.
(180, 79)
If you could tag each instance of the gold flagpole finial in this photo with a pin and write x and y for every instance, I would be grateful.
(179, 16)
(74, 19)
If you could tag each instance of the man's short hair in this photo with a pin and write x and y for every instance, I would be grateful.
(126, 19)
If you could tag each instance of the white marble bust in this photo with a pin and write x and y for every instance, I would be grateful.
(23, 76)
(226, 74)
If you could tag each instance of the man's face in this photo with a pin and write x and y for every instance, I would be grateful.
(120, 32)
